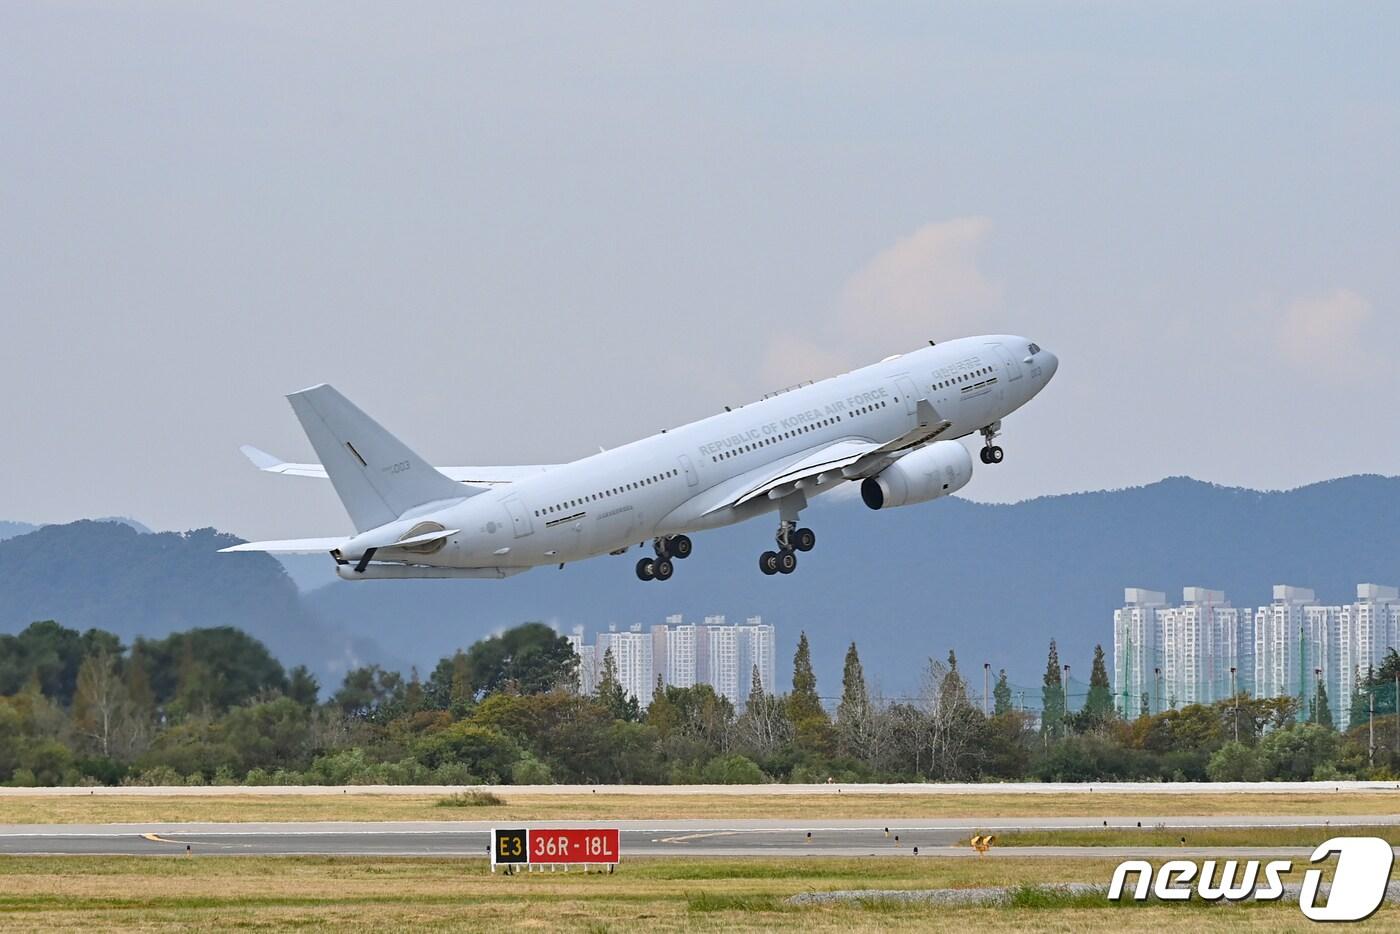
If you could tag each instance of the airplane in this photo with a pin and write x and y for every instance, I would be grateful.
(891, 427)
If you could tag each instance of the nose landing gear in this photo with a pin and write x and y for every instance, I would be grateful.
(991, 453)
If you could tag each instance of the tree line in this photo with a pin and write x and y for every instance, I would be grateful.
(214, 706)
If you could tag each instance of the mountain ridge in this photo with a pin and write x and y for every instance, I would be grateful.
(993, 581)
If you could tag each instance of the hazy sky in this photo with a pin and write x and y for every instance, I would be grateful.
(516, 232)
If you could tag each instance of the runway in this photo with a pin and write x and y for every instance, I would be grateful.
(694, 838)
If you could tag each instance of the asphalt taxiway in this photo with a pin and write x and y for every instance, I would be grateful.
(698, 838)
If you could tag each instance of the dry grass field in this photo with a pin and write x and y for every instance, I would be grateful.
(165, 808)
(143, 894)
(1195, 836)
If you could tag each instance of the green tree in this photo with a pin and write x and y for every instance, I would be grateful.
(853, 711)
(302, 686)
(531, 658)
(1001, 695)
(216, 668)
(1295, 753)
(612, 695)
(369, 691)
(52, 654)
(811, 725)
(1235, 762)
(1052, 696)
(1098, 706)
(1322, 709)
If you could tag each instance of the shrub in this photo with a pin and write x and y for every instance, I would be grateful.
(470, 799)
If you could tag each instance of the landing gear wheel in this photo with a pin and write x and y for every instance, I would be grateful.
(994, 454)
(663, 569)
(768, 562)
(681, 547)
(646, 569)
(787, 562)
(804, 539)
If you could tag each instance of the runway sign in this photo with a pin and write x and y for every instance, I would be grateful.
(543, 847)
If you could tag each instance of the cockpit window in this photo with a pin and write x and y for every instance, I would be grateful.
(1033, 349)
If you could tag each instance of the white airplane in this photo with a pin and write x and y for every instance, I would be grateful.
(889, 427)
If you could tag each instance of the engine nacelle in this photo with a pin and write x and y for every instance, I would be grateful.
(941, 468)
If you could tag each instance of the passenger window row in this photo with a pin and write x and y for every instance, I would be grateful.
(980, 371)
(866, 409)
(746, 448)
(604, 494)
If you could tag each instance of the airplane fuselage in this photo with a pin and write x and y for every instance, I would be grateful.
(688, 478)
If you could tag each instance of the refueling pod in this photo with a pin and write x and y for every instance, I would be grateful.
(942, 468)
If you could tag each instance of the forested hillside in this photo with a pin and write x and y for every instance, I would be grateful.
(108, 576)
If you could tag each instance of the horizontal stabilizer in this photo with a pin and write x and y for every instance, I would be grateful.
(473, 476)
(291, 546)
(268, 462)
(379, 538)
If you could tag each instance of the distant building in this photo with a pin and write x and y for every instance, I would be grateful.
(632, 653)
(1280, 642)
(681, 655)
(587, 661)
(719, 658)
(1185, 654)
(1191, 661)
(682, 643)
(1367, 630)
(1136, 636)
(757, 646)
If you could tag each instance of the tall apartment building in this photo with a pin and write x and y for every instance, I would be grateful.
(1281, 642)
(1191, 662)
(1136, 637)
(718, 659)
(1233, 670)
(682, 643)
(1366, 630)
(587, 661)
(1284, 649)
(632, 653)
(682, 655)
(757, 645)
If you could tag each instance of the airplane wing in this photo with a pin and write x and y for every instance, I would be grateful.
(477, 476)
(851, 459)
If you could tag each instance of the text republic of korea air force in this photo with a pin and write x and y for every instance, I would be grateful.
(892, 427)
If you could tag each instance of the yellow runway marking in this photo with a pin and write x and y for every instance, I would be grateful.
(155, 838)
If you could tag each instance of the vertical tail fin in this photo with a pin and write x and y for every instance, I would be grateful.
(377, 477)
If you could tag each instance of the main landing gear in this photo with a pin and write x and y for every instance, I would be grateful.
(790, 541)
(991, 453)
(661, 567)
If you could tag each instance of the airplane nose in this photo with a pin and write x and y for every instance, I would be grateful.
(1051, 363)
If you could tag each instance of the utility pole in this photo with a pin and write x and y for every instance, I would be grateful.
(986, 678)
(1236, 696)
(1371, 756)
(1157, 682)
(1317, 695)
(1064, 696)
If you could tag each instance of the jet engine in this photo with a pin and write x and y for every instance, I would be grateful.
(927, 473)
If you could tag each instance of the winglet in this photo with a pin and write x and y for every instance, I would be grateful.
(261, 459)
